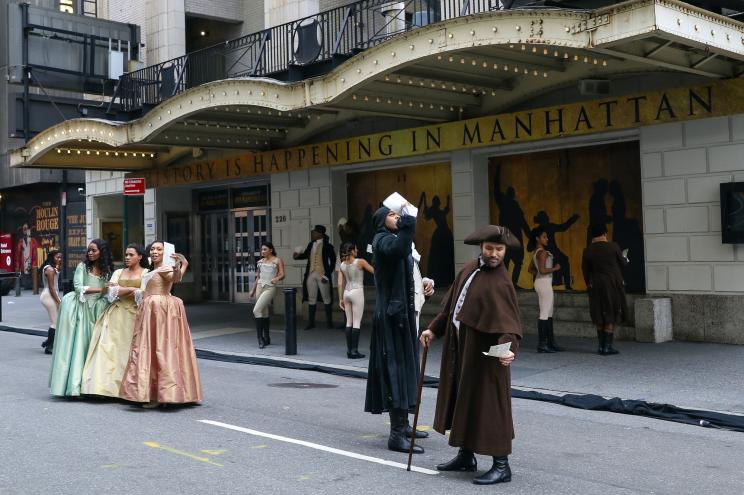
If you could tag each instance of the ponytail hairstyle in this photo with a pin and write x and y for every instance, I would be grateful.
(50, 259)
(140, 252)
(346, 249)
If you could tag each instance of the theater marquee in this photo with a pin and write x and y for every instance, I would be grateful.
(616, 113)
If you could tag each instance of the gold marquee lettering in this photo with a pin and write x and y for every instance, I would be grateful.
(672, 105)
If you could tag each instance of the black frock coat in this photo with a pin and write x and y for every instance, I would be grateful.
(393, 354)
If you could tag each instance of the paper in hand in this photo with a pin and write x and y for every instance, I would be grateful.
(168, 249)
(625, 254)
(498, 351)
(400, 205)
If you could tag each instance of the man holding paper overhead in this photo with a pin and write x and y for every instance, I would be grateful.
(474, 398)
(393, 351)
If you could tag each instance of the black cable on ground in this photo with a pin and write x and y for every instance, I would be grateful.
(589, 402)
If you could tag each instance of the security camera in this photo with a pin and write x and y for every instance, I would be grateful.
(81, 191)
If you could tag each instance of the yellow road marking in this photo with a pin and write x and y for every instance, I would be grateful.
(303, 478)
(214, 452)
(206, 460)
(371, 437)
(262, 446)
(110, 466)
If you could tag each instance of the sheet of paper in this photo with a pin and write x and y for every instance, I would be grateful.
(168, 249)
(498, 351)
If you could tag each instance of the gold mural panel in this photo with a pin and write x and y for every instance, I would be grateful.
(428, 187)
(566, 191)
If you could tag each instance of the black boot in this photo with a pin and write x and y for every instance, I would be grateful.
(601, 340)
(542, 337)
(310, 316)
(48, 344)
(329, 316)
(347, 331)
(259, 333)
(355, 333)
(463, 461)
(500, 472)
(551, 338)
(607, 349)
(419, 433)
(265, 331)
(398, 442)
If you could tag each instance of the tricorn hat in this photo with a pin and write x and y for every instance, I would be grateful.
(493, 233)
(319, 229)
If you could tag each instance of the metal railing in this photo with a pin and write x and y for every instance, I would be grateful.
(327, 37)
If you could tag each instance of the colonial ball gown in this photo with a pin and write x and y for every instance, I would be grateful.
(112, 339)
(78, 313)
(162, 362)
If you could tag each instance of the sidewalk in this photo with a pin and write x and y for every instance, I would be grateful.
(691, 375)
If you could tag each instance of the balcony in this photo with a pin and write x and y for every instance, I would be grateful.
(316, 44)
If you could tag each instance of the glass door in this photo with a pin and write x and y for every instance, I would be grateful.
(251, 230)
(215, 257)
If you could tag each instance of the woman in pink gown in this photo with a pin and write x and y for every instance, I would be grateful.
(162, 365)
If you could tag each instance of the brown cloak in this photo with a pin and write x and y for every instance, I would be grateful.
(474, 398)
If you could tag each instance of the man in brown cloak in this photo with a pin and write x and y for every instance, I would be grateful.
(474, 399)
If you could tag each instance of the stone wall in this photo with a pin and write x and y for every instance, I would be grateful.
(682, 167)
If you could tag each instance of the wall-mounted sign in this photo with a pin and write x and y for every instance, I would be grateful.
(134, 186)
(249, 197)
(212, 200)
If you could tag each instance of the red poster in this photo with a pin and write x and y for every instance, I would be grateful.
(6, 252)
(134, 186)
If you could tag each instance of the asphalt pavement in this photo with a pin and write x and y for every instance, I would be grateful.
(280, 431)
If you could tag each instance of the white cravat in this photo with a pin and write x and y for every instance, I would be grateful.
(463, 293)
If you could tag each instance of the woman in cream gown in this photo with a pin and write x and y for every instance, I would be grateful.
(162, 365)
(112, 336)
(78, 312)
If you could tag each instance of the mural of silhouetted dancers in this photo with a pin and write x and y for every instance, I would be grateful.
(441, 263)
(628, 235)
(597, 209)
(562, 277)
(511, 216)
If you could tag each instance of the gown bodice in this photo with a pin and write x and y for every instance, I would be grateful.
(159, 285)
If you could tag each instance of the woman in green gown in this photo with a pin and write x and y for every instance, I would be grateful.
(78, 313)
(112, 335)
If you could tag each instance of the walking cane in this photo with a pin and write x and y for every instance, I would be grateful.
(418, 405)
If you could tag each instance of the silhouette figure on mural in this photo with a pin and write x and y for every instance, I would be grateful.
(562, 277)
(597, 209)
(441, 263)
(628, 235)
(511, 216)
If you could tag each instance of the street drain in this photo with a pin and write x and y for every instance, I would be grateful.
(301, 385)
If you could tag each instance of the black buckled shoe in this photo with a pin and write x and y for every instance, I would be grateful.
(500, 472)
(463, 461)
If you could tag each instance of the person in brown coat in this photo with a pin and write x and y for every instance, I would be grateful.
(474, 399)
(601, 265)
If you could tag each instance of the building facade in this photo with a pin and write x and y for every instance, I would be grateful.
(630, 114)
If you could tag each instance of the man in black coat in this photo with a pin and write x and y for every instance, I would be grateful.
(393, 360)
(321, 261)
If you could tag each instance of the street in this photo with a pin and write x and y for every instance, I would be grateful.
(272, 430)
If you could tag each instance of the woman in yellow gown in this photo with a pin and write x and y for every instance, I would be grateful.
(112, 336)
(162, 365)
